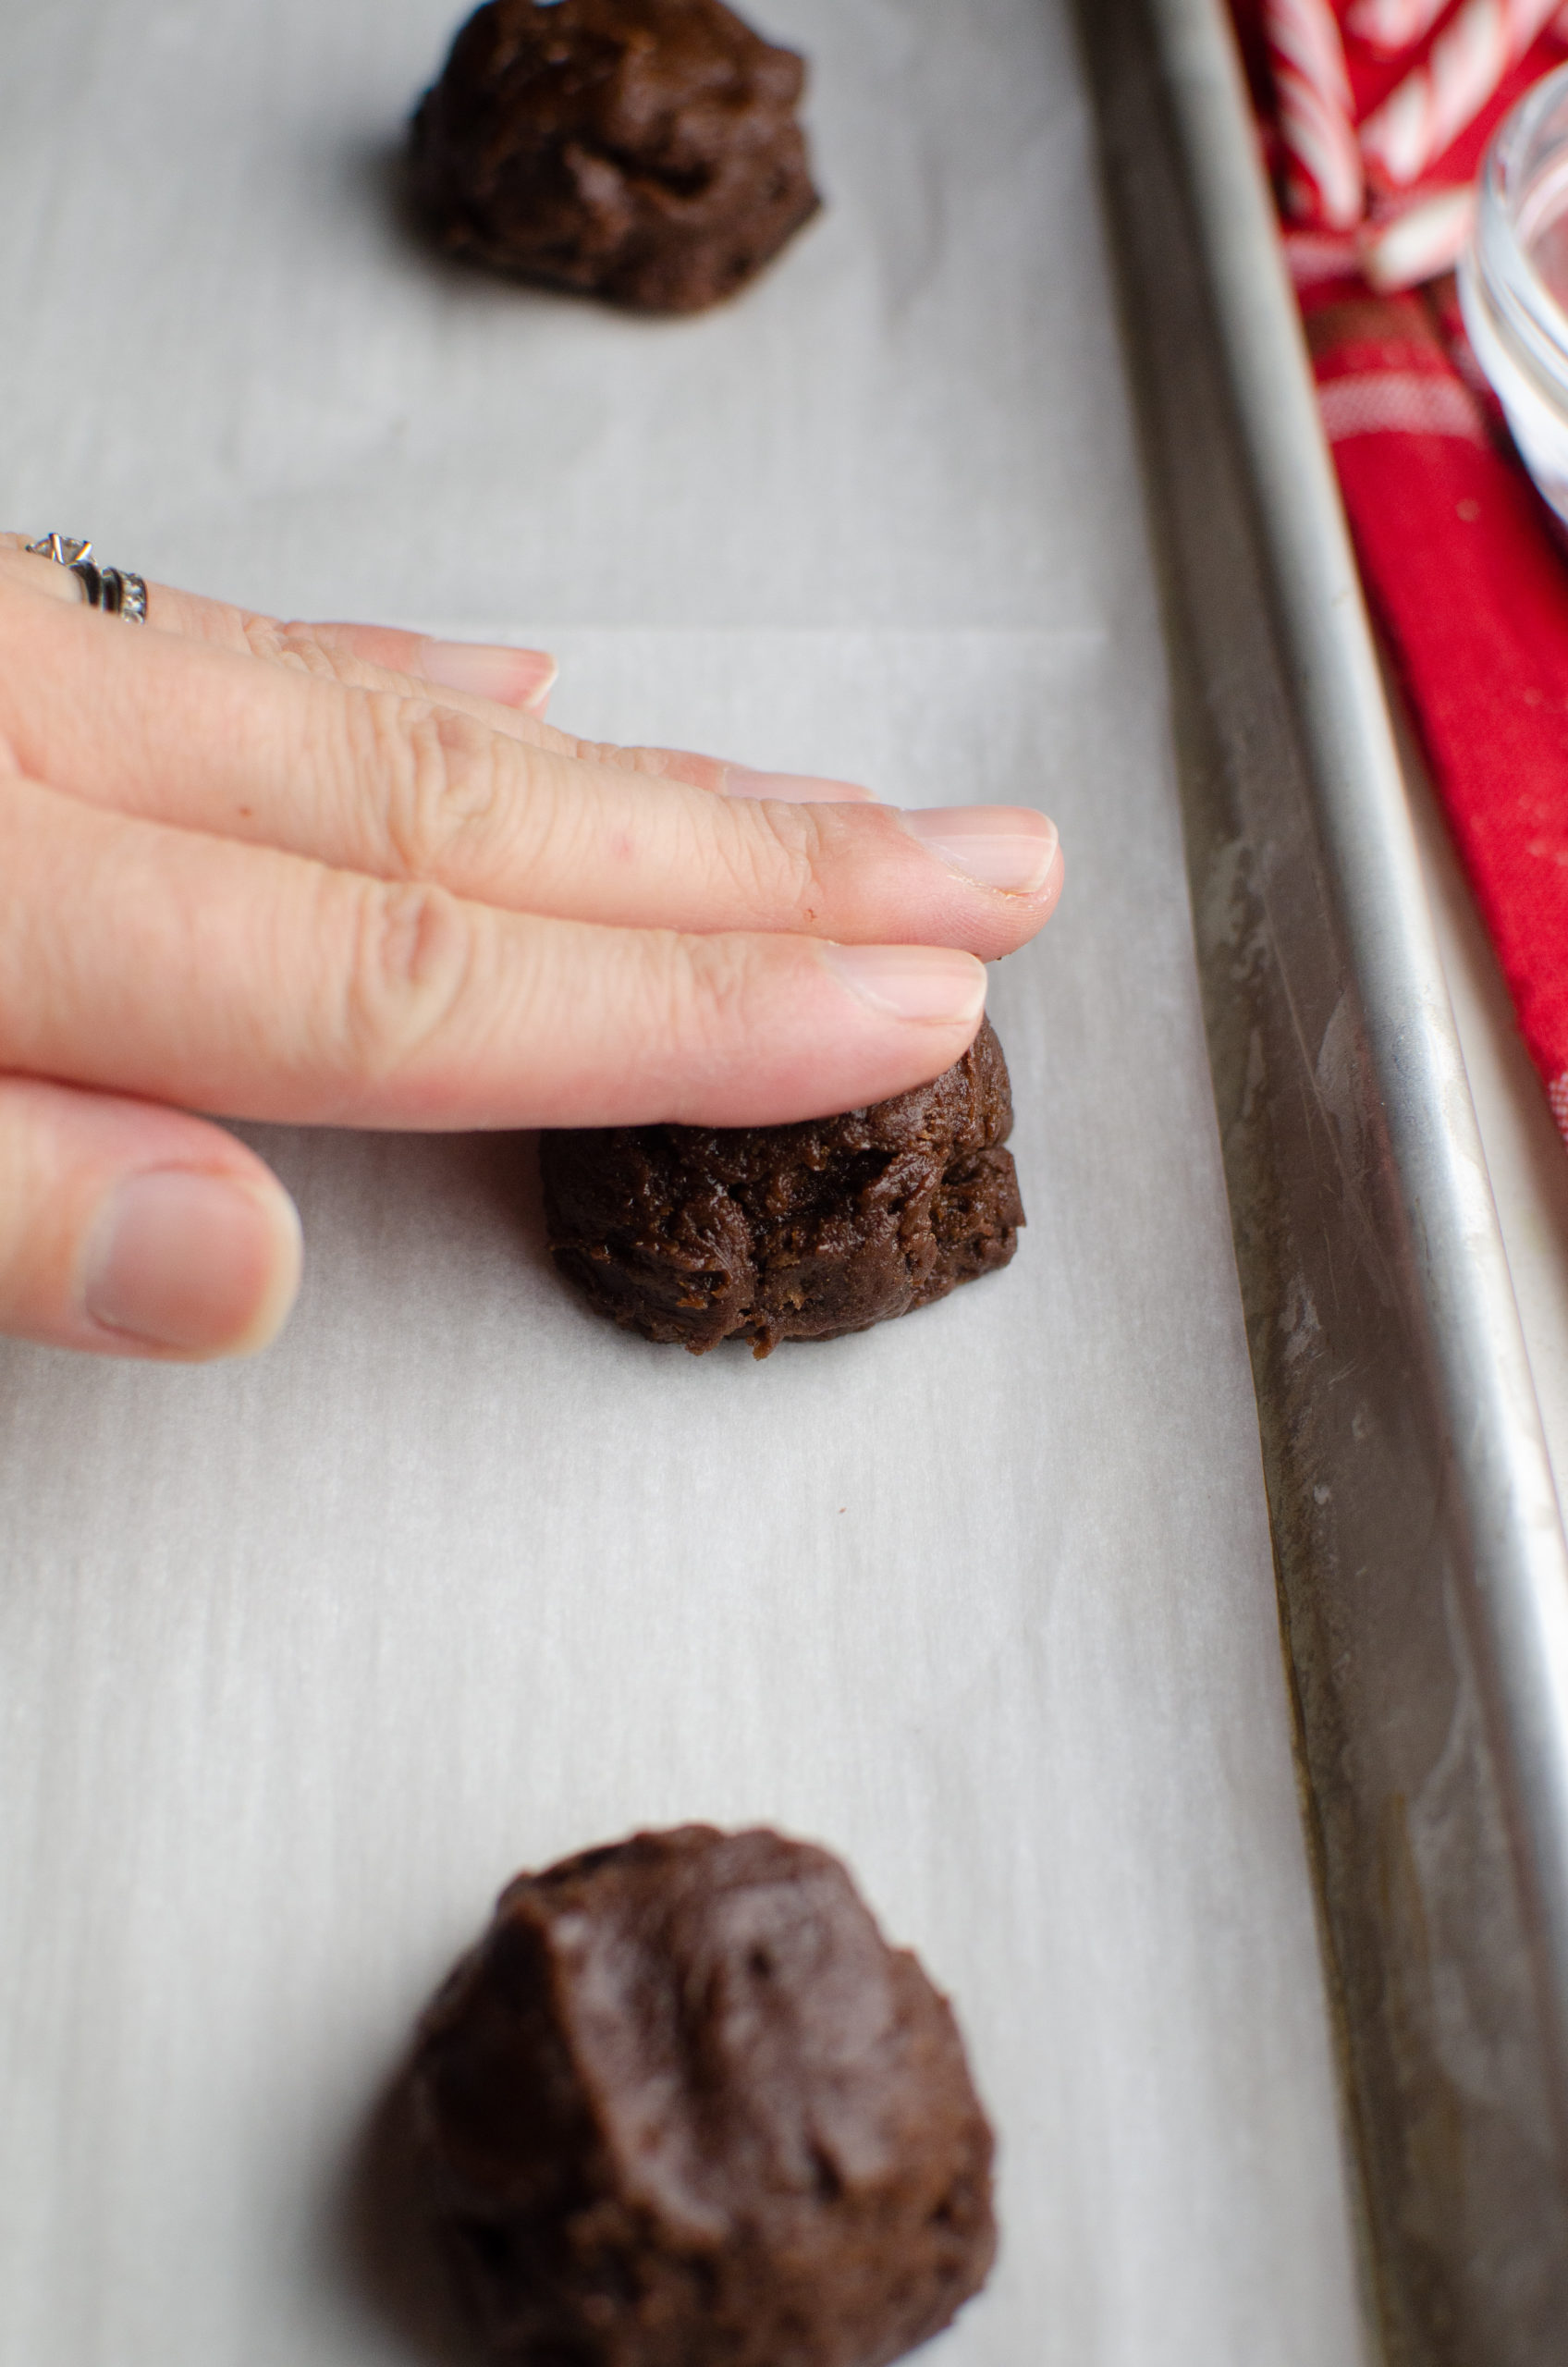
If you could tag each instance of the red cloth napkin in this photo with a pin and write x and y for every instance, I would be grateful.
(1463, 563)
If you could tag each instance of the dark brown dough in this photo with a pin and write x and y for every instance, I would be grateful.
(790, 1232)
(643, 150)
(683, 2105)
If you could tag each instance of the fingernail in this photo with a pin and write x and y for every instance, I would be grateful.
(207, 1265)
(928, 982)
(510, 677)
(794, 789)
(996, 846)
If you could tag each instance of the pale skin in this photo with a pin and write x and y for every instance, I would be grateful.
(338, 875)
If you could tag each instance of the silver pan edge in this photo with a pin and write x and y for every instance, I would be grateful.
(1418, 1546)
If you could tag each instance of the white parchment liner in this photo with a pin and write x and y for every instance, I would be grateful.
(301, 1660)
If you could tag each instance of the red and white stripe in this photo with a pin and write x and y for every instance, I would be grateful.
(1429, 110)
(1425, 237)
(1399, 402)
(1312, 89)
(1388, 26)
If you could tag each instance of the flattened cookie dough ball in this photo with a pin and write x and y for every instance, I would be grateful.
(683, 2105)
(790, 1232)
(647, 151)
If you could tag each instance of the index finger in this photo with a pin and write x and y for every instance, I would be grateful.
(249, 983)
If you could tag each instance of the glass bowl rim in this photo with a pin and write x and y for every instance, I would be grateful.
(1523, 310)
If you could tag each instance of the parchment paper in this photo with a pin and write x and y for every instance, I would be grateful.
(301, 1659)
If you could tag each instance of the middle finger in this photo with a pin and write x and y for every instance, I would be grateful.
(407, 790)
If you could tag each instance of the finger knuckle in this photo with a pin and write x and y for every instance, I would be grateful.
(411, 961)
(263, 636)
(294, 644)
(775, 859)
(438, 778)
(648, 764)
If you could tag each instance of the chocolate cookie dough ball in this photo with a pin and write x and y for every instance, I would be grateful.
(685, 2106)
(790, 1232)
(643, 150)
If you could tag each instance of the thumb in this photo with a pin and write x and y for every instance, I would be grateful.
(131, 1230)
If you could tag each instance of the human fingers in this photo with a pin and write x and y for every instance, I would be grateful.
(249, 983)
(409, 791)
(480, 675)
(715, 773)
(136, 1231)
(507, 685)
(507, 688)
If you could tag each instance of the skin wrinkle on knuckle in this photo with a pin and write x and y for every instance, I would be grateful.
(262, 636)
(406, 766)
(773, 861)
(803, 835)
(296, 645)
(651, 764)
(464, 799)
(680, 768)
(410, 961)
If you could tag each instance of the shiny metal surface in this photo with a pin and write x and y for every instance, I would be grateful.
(1418, 1544)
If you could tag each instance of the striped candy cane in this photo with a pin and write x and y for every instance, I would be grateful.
(1388, 26)
(1428, 110)
(1326, 179)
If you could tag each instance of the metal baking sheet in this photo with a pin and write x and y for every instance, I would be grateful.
(1418, 1538)
(301, 1659)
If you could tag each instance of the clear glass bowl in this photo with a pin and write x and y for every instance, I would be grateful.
(1514, 280)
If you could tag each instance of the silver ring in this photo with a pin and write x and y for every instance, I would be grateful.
(113, 589)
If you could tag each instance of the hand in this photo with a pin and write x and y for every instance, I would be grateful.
(337, 874)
